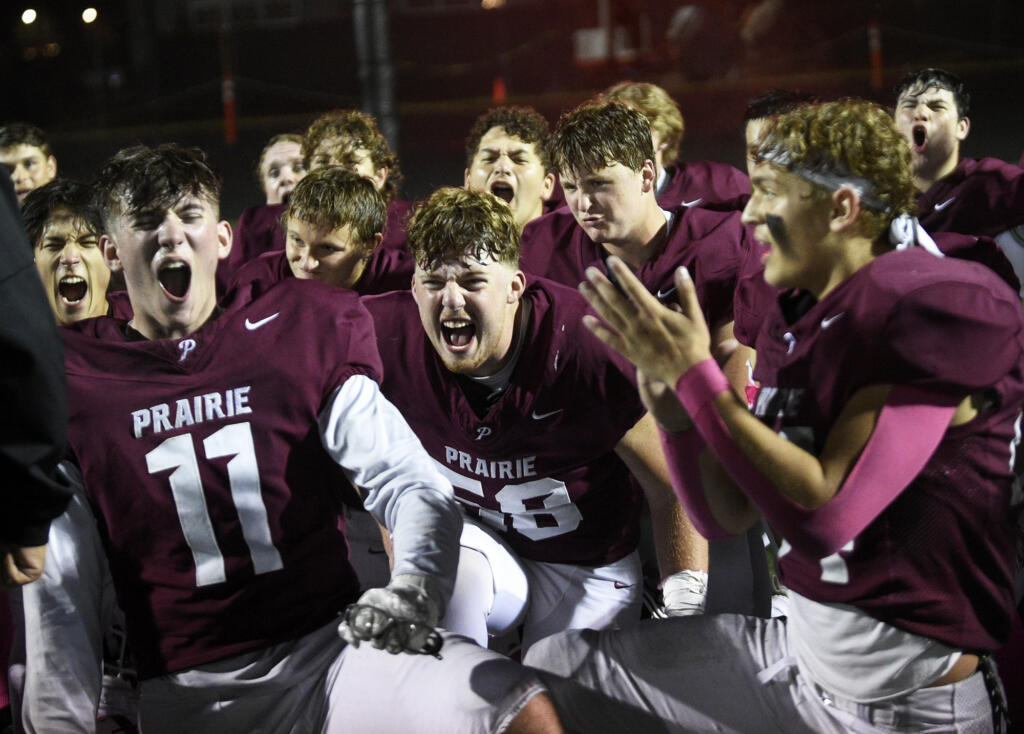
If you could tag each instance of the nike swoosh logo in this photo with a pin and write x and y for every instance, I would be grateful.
(620, 585)
(695, 202)
(943, 205)
(666, 294)
(253, 325)
(541, 416)
(825, 323)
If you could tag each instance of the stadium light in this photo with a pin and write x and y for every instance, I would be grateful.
(89, 15)
(28, 17)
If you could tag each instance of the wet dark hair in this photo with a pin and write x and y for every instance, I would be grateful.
(21, 133)
(456, 223)
(923, 79)
(776, 102)
(334, 196)
(524, 123)
(62, 195)
(141, 178)
(594, 136)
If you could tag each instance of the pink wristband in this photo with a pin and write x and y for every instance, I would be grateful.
(700, 385)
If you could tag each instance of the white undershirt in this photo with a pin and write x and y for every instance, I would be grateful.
(367, 436)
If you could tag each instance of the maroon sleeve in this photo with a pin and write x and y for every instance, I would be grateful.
(974, 318)
(258, 230)
(726, 252)
(542, 237)
(982, 250)
(395, 236)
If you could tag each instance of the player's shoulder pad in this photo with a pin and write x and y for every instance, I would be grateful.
(310, 300)
(952, 323)
(391, 308)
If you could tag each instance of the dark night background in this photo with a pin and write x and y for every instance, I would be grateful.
(152, 71)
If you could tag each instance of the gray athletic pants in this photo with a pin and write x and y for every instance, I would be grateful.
(728, 674)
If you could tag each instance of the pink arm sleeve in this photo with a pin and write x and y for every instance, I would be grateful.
(908, 430)
(682, 451)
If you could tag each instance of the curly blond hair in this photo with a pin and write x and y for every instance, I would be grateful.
(658, 107)
(455, 224)
(346, 131)
(845, 140)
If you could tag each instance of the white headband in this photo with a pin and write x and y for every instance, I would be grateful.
(864, 189)
(904, 230)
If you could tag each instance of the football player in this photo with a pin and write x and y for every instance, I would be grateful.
(334, 221)
(687, 183)
(506, 154)
(281, 167)
(202, 437)
(605, 158)
(967, 195)
(25, 152)
(606, 162)
(64, 226)
(350, 138)
(530, 418)
(881, 455)
(259, 229)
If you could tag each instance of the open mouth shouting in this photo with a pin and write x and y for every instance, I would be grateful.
(503, 190)
(919, 138)
(458, 333)
(72, 290)
(175, 280)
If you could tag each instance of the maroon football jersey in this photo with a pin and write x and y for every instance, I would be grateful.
(387, 270)
(202, 459)
(395, 237)
(715, 246)
(980, 197)
(938, 561)
(984, 250)
(540, 466)
(706, 184)
(119, 307)
(258, 230)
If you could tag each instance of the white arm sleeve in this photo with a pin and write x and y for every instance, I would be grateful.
(367, 436)
(57, 662)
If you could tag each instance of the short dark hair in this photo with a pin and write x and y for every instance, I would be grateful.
(456, 223)
(594, 136)
(776, 102)
(140, 178)
(60, 195)
(21, 133)
(524, 123)
(18, 133)
(334, 196)
(924, 79)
